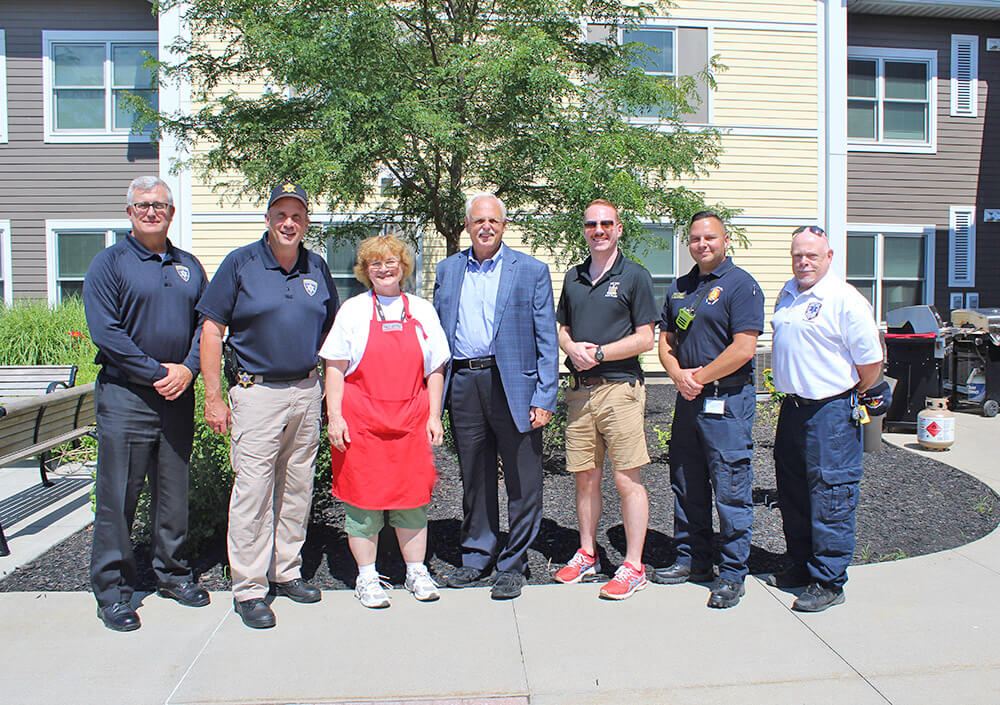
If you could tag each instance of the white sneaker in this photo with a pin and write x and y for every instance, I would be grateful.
(371, 591)
(420, 583)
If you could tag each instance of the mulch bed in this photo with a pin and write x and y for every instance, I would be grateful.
(909, 506)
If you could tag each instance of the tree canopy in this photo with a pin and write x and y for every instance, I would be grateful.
(523, 98)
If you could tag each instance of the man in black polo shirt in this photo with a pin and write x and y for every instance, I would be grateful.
(279, 302)
(606, 316)
(708, 336)
(140, 297)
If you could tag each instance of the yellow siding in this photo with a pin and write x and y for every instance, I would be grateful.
(803, 11)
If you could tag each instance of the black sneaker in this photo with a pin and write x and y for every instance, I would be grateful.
(817, 598)
(298, 590)
(465, 576)
(725, 594)
(507, 585)
(680, 573)
(188, 594)
(796, 576)
(255, 613)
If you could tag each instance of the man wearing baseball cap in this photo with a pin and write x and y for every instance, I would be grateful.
(278, 300)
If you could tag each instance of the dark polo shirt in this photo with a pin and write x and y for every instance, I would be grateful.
(277, 320)
(141, 309)
(607, 310)
(733, 303)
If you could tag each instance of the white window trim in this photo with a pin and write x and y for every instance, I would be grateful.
(953, 280)
(909, 147)
(83, 136)
(880, 230)
(8, 269)
(335, 219)
(54, 227)
(972, 41)
(4, 131)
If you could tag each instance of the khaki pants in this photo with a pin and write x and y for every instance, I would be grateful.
(275, 436)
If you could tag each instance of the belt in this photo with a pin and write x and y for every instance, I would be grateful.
(245, 379)
(803, 401)
(576, 382)
(737, 380)
(474, 363)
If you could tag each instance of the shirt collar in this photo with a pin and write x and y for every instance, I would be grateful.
(724, 266)
(487, 265)
(301, 265)
(144, 254)
(583, 270)
(820, 289)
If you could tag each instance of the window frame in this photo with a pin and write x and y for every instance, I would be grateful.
(107, 134)
(53, 228)
(4, 126)
(880, 231)
(656, 27)
(416, 277)
(880, 55)
(675, 261)
(6, 266)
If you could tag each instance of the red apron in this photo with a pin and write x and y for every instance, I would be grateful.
(388, 464)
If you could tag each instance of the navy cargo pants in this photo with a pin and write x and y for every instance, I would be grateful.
(713, 451)
(817, 459)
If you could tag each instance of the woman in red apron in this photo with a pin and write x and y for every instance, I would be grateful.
(385, 358)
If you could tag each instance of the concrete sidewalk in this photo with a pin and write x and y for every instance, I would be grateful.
(920, 630)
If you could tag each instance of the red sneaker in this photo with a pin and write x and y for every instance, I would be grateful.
(626, 581)
(580, 566)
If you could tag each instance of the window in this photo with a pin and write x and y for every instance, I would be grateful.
(890, 269)
(87, 77)
(3, 88)
(71, 246)
(964, 75)
(6, 288)
(660, 260)
(340, 259)
(660, 61)
(891, 100)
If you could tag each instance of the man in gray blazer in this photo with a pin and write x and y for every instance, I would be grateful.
(496, 306)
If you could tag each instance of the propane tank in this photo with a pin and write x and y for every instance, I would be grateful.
(936, 425)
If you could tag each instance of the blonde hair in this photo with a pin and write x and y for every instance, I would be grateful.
(372, 249)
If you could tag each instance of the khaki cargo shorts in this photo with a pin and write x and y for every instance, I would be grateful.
(606, 419)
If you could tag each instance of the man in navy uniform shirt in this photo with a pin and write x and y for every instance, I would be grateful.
(278, 300)
(708, 335)
(140, 297)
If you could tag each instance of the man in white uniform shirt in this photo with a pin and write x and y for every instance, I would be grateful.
(826, 352)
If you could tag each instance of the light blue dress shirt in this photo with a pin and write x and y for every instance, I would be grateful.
(477, 307)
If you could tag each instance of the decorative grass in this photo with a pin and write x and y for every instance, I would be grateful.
(32, 333)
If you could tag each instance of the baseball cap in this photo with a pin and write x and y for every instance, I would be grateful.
(287, 189)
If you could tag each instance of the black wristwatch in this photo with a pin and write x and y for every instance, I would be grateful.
(599, 354)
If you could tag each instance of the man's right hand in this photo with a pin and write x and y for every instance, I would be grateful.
(217, 414)
(687, 385)
(582, 355)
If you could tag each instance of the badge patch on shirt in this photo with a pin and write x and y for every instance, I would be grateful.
(612, 292)
(392, 327)
(812, 310)
(183, 272)
(677, 295)
(310, 286)
(713, 295)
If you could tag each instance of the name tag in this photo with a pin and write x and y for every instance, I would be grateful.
(715, 406)
(392, 327)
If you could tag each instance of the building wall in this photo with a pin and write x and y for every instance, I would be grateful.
(887, 187)
(40, 181)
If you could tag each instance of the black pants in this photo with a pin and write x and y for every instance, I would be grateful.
(139, 435)
(484, 428)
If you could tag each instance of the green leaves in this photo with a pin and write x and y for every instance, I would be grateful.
(448, 97)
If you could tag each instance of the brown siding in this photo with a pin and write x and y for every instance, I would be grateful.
(886, 187)
(38, 180)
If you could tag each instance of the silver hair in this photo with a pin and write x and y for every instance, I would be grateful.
(483, 194)
(147, 183)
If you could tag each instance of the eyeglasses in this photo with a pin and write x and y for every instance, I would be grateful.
(158, 206)
(592, 224)
(387, 264)
(814, 229)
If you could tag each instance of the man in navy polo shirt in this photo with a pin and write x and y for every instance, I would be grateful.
(708, 335)
(278, 300)
(140, 297)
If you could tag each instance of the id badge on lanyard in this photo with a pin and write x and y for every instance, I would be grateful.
(714, 405)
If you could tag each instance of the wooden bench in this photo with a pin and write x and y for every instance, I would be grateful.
(34, 425)
(32, 380)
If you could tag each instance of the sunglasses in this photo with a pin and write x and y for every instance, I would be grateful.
(814, 229)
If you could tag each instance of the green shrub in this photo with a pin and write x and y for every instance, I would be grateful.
(32, 333)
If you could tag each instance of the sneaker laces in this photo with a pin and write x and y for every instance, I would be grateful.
(581, 560)
(421, 579)
(626, 573)
(371, 586)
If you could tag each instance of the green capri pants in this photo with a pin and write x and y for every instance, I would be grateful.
(365, 523)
